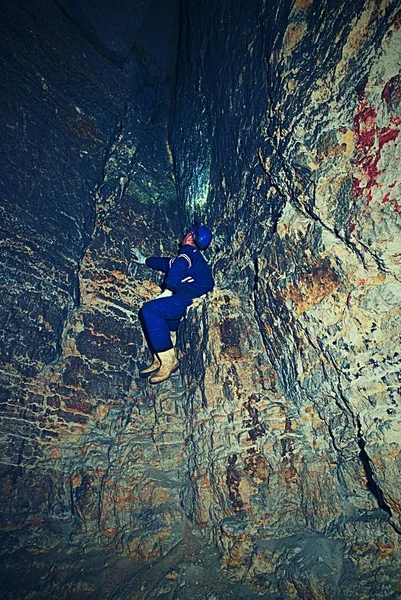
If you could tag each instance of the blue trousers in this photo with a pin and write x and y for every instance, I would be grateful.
(159, 317)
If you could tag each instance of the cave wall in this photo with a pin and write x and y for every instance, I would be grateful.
(279, 439)
(293, 404)
(86, 172)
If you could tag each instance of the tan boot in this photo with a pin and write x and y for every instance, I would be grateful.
(169, 365)
(156, 364)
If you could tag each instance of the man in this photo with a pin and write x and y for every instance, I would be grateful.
(188, 276)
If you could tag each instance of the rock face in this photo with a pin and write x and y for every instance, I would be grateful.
(279, 442)
(295, 403)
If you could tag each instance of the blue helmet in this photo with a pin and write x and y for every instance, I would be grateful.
(202, 234)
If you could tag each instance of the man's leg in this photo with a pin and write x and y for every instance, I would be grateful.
(173, 325)
(156, 364)
(159, 317)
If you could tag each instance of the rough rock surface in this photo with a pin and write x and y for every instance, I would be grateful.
(268, 467)
(296, 401)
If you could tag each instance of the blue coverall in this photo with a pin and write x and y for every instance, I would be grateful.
(188, 277)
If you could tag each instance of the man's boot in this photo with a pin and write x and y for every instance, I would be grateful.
(156, 364)
(169, 365)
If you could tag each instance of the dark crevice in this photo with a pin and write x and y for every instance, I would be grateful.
(372, 485)
(363, 456)
(103, 486)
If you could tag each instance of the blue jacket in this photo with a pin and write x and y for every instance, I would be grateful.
(188, 274)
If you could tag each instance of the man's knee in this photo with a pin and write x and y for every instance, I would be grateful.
(146, 310)
(153, 308)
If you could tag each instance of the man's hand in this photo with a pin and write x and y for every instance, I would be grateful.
(137, 256)
(165, 294)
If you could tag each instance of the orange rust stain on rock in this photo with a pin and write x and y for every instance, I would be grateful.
(385, 549)
(294, 35)
(257, 467)
(238, 552)
(77, 405)
(290, 473)
(122, 500)
(84, 129)
(302, 4)
(160, 495)
(112, 531)
(312, 287)
(233, 352)
(35, 522)
(54, 453)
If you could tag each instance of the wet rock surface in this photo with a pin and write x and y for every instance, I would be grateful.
(268, 466)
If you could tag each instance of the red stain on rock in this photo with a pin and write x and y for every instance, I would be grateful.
(365, 125)
(397, 22)
(370, 140)
(396, 206)
(392, 91)
(394, 203)
(387, 135)
(366, 134)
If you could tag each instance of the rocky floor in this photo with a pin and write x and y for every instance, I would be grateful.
(190, 571)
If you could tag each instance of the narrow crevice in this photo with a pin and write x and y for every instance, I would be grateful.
(352, 246)
(363, 456)
(372, 485)
(103, 485)
(75, 513)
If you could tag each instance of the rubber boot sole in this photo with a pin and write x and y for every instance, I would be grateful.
(149, 370)
(156, 364)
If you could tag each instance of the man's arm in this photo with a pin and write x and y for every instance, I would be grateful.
(154, 262)
(158, 263)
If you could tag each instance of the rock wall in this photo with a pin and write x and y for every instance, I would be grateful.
(278, 443)
(293, 403)
(87, 172)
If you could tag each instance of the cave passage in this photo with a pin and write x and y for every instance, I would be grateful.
(267, 466)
